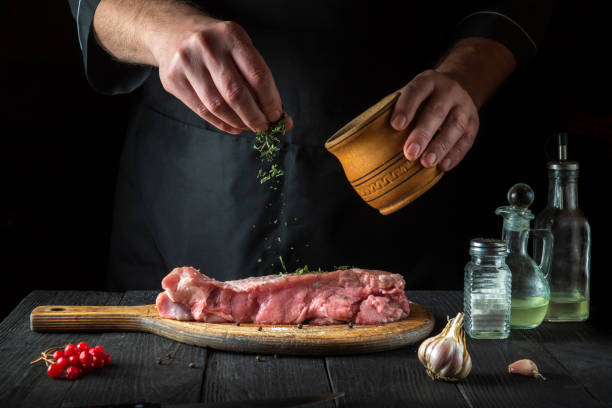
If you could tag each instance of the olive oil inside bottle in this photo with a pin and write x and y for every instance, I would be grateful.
(527, 312)
(567, 307)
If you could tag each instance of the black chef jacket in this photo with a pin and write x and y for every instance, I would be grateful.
(187, 193)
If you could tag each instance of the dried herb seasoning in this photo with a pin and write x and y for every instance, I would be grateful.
(304, 270)
(280, 258)
(267, 143)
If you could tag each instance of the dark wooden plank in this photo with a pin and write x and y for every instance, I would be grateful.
(489, 384)
(396, 378)
(400, 377)
(135, 375)
(575, 358)
(22, 385)
(235, 376)
(584, 349)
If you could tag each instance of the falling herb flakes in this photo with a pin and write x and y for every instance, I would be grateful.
(280, 258)
(267, 143)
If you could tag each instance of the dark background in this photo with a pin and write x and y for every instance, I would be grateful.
(62, 143)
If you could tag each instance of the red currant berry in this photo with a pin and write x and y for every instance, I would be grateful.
(82, 346)
(62, 362)
(87, 367)
(73, 372)
(58, 354)
(70, 350)
(91, 351)
(74, 360)
(98, 361)
(107, 359)
(84, 357)
(54, 371)
(98, 349)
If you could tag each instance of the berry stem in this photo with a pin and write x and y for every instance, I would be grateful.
(45, 355)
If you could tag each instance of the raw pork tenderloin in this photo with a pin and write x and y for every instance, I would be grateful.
(352, 295)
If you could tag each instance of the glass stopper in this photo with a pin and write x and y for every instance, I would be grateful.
(520, 195)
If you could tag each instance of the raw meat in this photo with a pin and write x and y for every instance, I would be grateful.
(352, 295)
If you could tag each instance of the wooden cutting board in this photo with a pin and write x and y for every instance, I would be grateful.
(280, 339)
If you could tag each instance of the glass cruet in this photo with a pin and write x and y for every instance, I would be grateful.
(530, 290)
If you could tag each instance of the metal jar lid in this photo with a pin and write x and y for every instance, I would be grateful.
(488, 246)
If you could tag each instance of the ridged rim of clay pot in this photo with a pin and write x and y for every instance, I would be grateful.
(364, 119)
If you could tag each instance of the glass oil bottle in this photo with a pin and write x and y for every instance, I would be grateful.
(570, 268)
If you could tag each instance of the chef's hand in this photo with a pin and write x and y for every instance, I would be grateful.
(213, 67)
(441, 105)
(444, 116)
(210, 65)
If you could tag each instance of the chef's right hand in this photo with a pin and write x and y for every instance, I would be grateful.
(214, 69)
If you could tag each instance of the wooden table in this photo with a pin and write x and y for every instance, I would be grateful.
(576, 359)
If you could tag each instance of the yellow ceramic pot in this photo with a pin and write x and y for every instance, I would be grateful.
(371, 154)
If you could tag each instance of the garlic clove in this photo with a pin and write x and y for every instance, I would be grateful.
(466, 368)
(423, 348)
(525, 367)
(445, 356)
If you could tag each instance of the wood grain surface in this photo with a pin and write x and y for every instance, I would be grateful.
(574, 357)
(251, 338)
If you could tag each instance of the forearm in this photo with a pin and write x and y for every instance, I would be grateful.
(132, 30)
(480, 65)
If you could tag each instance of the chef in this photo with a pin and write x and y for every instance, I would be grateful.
(208, 74)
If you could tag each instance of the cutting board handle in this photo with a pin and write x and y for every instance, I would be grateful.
(90, 318)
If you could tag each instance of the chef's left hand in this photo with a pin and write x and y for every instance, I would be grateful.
(440, 106)
(444, 117)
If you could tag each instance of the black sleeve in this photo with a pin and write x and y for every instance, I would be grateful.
(104, 73)
(519, 25)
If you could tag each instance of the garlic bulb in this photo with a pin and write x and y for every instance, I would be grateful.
(445, 356)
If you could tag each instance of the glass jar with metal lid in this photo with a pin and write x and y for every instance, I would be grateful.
(487, 290)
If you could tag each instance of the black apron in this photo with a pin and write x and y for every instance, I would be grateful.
(188, 194)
